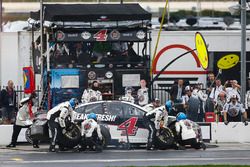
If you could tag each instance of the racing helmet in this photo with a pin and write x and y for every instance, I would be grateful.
(92, 116)
(73, 102)
(168, 105)
(181, 116)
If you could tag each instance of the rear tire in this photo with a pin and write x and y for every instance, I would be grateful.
(105, 135)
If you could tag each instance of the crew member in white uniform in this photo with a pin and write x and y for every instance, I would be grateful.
(56, 120)
(128, 95)
(153, 123)
(186, 133)
(24, 118)
(92, 93)
(91, 134)
(233, 110)
(151, 106)
(142, 94)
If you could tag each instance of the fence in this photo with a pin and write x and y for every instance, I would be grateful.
(161, 91)
(20, 93)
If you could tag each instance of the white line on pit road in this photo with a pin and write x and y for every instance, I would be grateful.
(126, 160)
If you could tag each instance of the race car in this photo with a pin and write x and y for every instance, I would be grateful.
(122, 122)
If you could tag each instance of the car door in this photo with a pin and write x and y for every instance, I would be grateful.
(114, 110)
(133, 124)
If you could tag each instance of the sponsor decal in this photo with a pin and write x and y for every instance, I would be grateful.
(75, 35)
(141, 34)
(127, 34)
(101, 35)
(109, 74)
(60, 35)
(115, 35)
(85, 35)
(100, 117)
(91, 75)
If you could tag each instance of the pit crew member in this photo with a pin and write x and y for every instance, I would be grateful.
(56, 120)
(186, 133)
(91, 134)
(153, 123)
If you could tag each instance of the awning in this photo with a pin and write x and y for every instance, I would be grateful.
(92, 12)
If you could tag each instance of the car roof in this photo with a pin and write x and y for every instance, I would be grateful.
(110, 101)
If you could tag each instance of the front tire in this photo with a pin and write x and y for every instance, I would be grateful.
(166, 139)
(71, 138)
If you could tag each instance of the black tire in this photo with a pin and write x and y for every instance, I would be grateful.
(105, 135)
(165, 140)
(171, 126)
(71, 138)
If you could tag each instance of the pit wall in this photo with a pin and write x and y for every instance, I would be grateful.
(212, 132)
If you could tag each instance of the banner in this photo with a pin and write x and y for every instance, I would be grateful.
(29, 80)
(101, 35)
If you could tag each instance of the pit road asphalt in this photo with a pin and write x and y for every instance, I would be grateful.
(223, 153)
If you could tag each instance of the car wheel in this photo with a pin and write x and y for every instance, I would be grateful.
(71, 138)
(105, 135)
(165, 139)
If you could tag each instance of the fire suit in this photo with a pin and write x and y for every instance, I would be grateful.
(90, 95)
(23, 120)
(186, 134)
(92, 136)
(56, 120)
(153, 123)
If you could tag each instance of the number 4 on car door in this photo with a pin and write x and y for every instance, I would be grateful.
(131, 128)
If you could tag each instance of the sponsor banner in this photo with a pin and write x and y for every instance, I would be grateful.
(100, 117)
(102, 35)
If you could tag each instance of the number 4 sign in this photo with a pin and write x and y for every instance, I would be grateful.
(101, 35)
(130, 125)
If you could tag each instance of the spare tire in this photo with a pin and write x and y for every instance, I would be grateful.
(105, 135)
(165, 139)
(71, 138)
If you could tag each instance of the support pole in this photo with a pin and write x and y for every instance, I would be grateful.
(243, 51)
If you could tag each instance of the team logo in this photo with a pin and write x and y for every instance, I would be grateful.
(93, 99)
(233, 112)
(115, 34)
(60, 35)
(85, 35)
(141, 34)
(109, 74)
(141, 98)
(87, 126)
(91, 75)
(101, 35)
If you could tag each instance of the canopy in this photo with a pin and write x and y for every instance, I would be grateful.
(92, 12)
